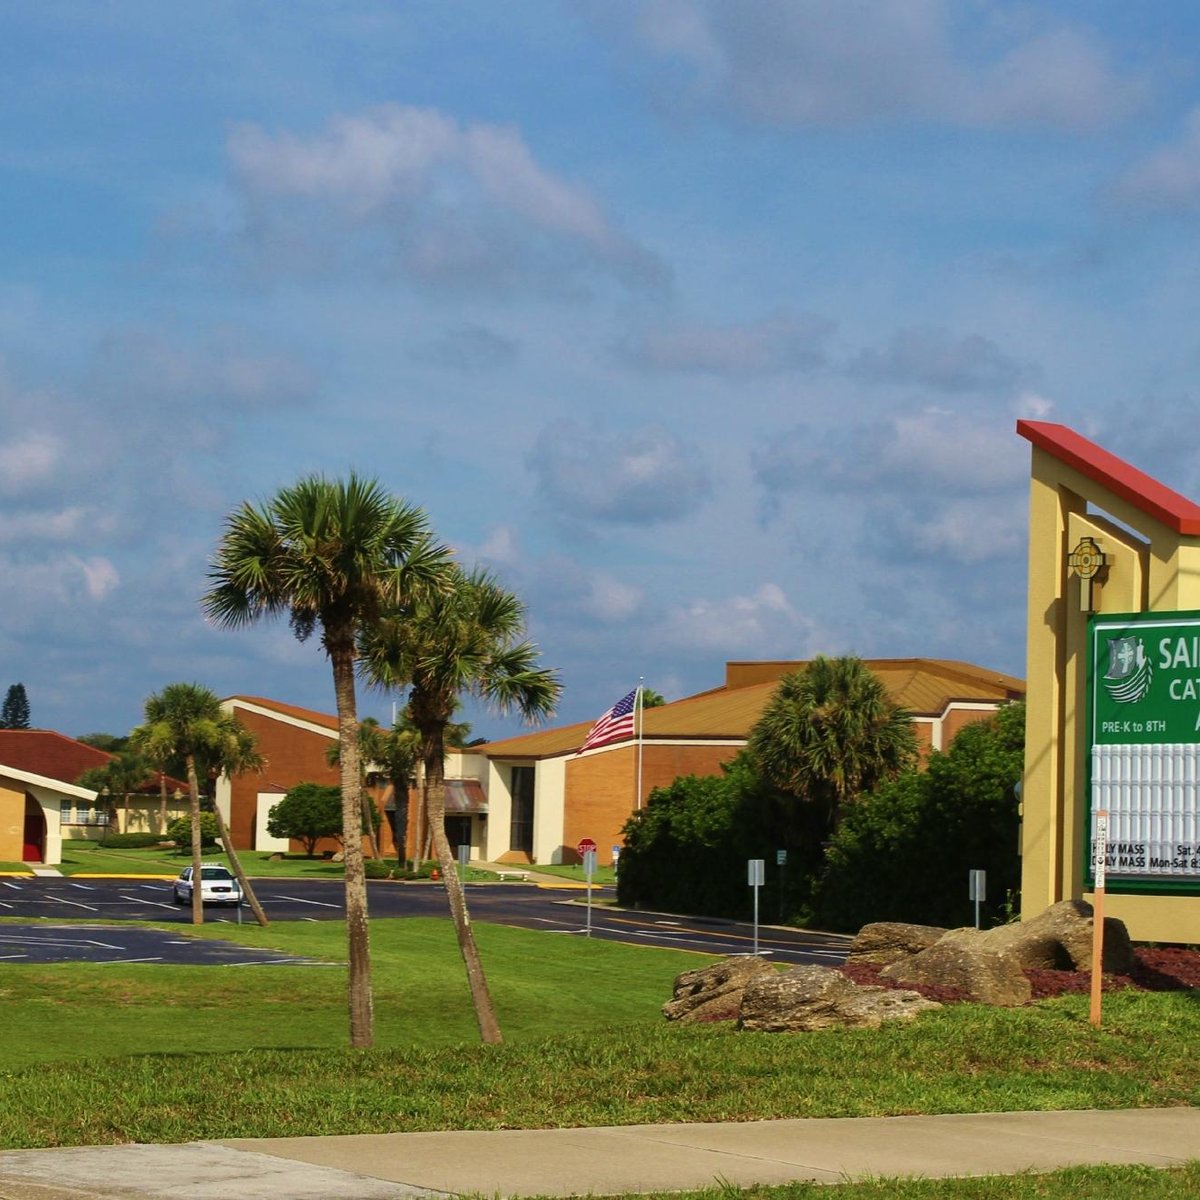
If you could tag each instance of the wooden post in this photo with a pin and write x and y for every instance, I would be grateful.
(1099, 857)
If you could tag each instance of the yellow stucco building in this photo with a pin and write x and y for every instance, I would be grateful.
(1104, 538)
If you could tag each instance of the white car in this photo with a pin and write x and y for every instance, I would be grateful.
(217, 885)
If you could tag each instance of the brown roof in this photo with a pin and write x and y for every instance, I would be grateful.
(56, 756)
(290, 710)
(925, 686)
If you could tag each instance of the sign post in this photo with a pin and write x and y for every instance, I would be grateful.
(587, 851)
(1099, 864)
(781, 863)
(977, 890)
(755, 875)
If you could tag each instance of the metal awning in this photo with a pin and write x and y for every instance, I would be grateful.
(462, 796)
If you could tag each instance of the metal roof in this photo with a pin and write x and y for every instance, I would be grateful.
(925, 686)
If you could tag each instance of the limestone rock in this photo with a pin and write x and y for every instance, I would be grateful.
(964, 959)
(884, 942)
(1060, 938)
(713, 993)
(809, 998)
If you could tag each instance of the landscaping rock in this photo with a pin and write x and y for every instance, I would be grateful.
(964, 959)
(1060, 938)
(809, 998)
(713, 993)
(884, 942)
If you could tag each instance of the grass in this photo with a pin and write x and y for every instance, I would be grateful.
(175, 1053)
(602, 876)
(1095, 1183)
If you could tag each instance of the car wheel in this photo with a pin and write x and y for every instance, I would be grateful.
(178, 898)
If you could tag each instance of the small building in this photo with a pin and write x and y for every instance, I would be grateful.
(544, 797)
(41, 806)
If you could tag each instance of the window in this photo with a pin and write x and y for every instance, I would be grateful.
(520, 835)
(84, 814)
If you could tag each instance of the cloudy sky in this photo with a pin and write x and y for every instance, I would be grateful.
(705, 324)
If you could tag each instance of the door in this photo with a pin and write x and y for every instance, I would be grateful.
(34, 848)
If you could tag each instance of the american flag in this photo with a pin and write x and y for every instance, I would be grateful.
(615, 726)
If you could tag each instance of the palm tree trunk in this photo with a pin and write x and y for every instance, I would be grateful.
(419, 824)
(341, 655)
(194, 800)
(162, 804)
(368, 818)
(435, 803)
(235, 863)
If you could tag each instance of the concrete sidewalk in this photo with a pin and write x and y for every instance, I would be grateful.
(606, 1161)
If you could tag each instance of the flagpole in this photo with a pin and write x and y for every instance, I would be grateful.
(637, 708)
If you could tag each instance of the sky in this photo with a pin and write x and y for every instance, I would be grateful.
(704, 325)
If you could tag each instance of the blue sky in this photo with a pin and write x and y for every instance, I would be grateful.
(706, 325)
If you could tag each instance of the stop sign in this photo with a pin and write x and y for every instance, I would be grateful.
(586, 844)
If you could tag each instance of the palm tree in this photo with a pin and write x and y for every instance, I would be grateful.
(124, 773)
(331, 554)
(831, 733)
(459, 641)
(185, 721)
(396, 750)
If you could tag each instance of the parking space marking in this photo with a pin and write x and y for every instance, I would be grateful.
(153, 903)
(73, 903)
(15, 886)
(301, 900)
(83, 887)
(108, 962)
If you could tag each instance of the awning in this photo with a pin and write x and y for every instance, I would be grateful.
(465, 796)
(462, 796)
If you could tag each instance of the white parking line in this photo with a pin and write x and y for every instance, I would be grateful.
(6, 956)
(110, 961)
(16, 887)
(83, 887)
(152, 903)
(73, 903)
(301, 900)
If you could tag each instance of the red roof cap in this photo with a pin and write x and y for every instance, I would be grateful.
(1139, 489)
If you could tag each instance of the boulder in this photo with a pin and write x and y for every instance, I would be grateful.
(883, 942)
(714, 993)
(809, 998)
(1060, 938)
(963, 959)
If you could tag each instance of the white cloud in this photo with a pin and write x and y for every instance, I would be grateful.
(42, 526)
(28, 460)
(806, 62)
(777, 343)
(763, 622)
(1169, 177)
(450, 199)
(646, 475)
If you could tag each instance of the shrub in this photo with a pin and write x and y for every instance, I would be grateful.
(135, 841)
(375, 868)
(309, 812)
(180, 832)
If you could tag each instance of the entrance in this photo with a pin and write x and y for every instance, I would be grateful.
(34, 849)
(458, 832)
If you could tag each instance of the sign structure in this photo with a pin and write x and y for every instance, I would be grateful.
(1144, 749)
(586, 844)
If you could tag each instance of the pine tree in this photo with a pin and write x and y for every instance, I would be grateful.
(15, 712)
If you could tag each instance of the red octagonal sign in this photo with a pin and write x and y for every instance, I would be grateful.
(586, 844)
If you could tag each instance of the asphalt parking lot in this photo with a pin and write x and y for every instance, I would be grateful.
(43, 905)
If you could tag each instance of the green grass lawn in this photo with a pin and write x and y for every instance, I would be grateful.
(109, 1053)
(600, 877)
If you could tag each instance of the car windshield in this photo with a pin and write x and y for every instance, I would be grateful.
(214, 873)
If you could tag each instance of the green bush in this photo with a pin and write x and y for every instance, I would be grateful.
(375, 868)
(134, 841)
(308, 813)
(903, 854)
(180, 832)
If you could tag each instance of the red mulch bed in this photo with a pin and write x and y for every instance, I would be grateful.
(1165, 969)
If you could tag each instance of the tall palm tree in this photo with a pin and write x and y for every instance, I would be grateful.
(463, 640)
(185, 721)
(831, 733)
(331, 555)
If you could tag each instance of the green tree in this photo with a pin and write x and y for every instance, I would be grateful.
(829, 734)
(14, 713)
(179, 831)
(465, 639)
(396, 752)
(651, 698)
(185, 720)
(110, 743)
(124, 774)
(308, 812)
(331, 555)
(903, 853)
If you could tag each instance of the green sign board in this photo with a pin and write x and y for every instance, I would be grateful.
(1143, 746)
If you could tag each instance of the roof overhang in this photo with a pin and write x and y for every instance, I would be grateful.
(55, 785)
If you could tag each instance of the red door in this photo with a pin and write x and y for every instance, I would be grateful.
(35, 836)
